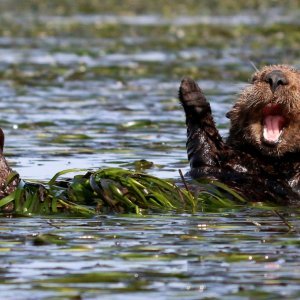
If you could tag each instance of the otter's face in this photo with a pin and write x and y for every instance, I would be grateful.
(267, 114)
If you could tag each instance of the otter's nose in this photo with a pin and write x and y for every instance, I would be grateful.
(275, 79)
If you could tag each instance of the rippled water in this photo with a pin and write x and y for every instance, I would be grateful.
(91, 89)
(244, 255)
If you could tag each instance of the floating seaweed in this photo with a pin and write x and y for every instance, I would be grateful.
(116, 190)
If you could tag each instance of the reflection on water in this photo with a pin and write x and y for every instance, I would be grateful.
(88, 91)
(244, 254)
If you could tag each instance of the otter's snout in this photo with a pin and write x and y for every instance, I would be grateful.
(275, 79)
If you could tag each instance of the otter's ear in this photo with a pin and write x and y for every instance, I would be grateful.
(1, 140)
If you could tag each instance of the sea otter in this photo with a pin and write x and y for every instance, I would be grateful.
(261, 156)
(9, 179)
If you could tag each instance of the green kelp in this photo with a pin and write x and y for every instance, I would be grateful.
(115, 190)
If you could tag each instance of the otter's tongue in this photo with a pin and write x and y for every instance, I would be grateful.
(273, 123)
(272, 128)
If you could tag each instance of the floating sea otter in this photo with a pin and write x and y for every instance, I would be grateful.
(261, 157)
(9, 180)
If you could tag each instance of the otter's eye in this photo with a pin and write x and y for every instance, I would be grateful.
(254, 78)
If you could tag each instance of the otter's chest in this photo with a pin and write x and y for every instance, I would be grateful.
(286, 171)
(292, 173)
(281, 177)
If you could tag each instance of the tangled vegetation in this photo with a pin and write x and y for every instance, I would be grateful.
(116, 190)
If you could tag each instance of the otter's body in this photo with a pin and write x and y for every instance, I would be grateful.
(261, 157)
(7, 184)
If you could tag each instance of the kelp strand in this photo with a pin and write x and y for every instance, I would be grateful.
(113, 190)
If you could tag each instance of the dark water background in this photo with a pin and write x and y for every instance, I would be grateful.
(88, 84)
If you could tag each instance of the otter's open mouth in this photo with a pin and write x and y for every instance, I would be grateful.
(273, 123)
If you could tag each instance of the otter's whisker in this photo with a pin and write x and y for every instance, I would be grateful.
(253, 65)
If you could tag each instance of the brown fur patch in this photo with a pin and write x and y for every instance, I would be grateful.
(247, 114)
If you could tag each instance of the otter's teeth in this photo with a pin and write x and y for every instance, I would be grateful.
(272, 128)
(272, 138)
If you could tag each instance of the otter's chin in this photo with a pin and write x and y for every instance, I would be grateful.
(273, 123)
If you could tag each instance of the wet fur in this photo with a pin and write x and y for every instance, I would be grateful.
(257, 170)
(7, 186)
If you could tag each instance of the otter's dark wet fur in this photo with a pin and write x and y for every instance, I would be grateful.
(260, 169)
(7, 186)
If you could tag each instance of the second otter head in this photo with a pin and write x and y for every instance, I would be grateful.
(267, 114)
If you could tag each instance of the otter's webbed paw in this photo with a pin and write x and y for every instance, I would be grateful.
(204, 143)
(193, 99)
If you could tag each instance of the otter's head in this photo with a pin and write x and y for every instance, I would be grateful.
(267, 114)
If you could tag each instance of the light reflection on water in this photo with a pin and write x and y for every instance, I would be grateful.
(97, 112)
(205, 255)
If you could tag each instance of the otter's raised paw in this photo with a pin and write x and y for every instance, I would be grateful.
(192, 98)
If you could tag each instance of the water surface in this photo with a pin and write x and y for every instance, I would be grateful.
(231, 255)
(94, 84)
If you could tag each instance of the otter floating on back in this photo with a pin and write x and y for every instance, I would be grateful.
(261, 157)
